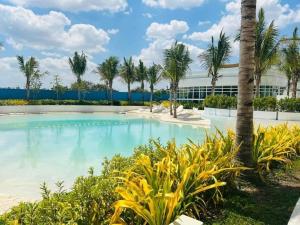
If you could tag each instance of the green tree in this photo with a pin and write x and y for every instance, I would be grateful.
(215, 57)
(127, 73)
(141, 75)
(291, 61)
(78, 65)
(31, 71)
(58, 87)
(177, 60)
(244, 123)
(108, 70)
(153, 77)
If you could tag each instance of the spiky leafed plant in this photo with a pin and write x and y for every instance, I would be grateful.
(177, 60)
(31, 70)
(244, 122)
(78, 65)
(108, 71)
(153, 77)
(141, 75)
(291, 60)
(215, 57)
(127, 73)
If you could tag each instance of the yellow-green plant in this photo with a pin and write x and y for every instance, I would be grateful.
(273, 145)
(177, 183)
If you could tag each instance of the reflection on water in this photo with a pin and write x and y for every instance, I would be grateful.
(37, 148)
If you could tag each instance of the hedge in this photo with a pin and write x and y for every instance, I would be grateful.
(261, 104)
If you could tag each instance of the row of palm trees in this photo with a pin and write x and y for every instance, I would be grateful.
(269, 51)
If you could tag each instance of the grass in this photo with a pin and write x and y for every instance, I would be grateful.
(262, 204)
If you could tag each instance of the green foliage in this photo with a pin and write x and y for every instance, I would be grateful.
(268, 103)
(265, 103)
(220, 101)
(289, 104)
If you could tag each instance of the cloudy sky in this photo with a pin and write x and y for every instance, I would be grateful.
(51, 30)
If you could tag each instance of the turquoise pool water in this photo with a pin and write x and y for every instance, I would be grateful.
(55, 147)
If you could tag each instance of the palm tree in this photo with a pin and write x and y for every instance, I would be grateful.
(141, 75)
(154, 76)
(108, 71)
(78, 67)
(291, 58)
(244, 123)
(285, 67)
(128, 74)
(177, 60)
(215, 57)
(30, 69)
(266, 46)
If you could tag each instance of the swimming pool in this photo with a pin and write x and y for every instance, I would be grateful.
(56, 147)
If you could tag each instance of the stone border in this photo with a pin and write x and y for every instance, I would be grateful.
(268, 115)
(35, 109)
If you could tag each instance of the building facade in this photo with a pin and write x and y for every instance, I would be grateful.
(197, 85)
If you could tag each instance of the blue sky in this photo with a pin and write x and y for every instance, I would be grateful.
(52, 30)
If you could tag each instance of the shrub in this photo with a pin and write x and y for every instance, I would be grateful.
(274, 145)
(289, 104)
(220, 101)
(184, 180)
(13, 102)
(265, 103)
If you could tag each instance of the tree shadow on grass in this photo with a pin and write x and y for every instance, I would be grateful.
(270, 204)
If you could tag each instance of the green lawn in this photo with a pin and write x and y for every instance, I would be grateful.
(262, 204)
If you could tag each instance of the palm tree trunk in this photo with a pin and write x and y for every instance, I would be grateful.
(27, 89)
(143, 91)
(257, 84)
(213, 86)
(111, 93)
(244, 123)
(171, 99)
(288, 87)
(129, 93)
(294, 85)
(151, 99)
(175, 101)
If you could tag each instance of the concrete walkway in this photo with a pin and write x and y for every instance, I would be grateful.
(295, 218)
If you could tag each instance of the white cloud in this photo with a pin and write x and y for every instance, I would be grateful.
(230, 22)
(75, 5)
(113, 31)
(166, 31)
(204, 22)
(162, 36)
(174, 4)
(24, 28)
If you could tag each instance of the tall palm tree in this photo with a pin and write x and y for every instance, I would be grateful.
(141, 75)
(127, 73)
(244, 123)
(285, 67)
(291, 58)
(108, 70)
(30, 69)
(266, 46)
(215, 57)
(177, 60)
(78, 65)
(154, 76)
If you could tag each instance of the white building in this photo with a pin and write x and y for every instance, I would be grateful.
(197, 85)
